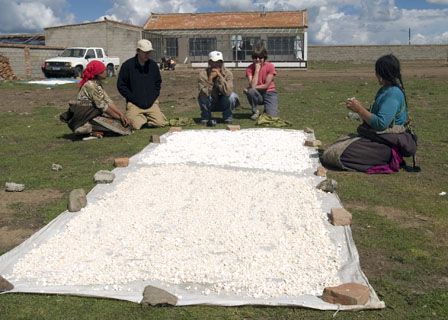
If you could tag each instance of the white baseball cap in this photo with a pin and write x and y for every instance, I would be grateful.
(144, 45)
(215, 56)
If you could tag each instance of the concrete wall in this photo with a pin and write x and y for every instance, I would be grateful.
(115, 38)
(361, 53)
(26, 61)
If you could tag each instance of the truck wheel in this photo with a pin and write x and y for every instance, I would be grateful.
(77, 72)
(110, 70)
(46, 74)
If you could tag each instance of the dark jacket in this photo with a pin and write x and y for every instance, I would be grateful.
(139, 84)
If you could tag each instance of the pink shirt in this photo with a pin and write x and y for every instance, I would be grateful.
(267, 68)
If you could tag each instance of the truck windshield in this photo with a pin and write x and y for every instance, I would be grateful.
(75, 53)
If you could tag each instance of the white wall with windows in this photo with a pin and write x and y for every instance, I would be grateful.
(286, 46)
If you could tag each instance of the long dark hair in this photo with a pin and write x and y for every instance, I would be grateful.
(388, 68)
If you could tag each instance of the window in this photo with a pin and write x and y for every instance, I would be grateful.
(171, 47)
(281, 45)
(201, 46)
(249, 43)
(90, 54)
(99, 53)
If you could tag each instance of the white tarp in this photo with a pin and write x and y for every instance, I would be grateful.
(51, 82)
(271, 151)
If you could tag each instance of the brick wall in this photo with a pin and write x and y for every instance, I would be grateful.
(26, 61)
(361, 53)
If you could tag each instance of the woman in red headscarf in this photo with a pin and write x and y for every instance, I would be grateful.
(85, 116)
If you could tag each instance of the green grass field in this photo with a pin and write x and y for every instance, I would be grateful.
(399, 223)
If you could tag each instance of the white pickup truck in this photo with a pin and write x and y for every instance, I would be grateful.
(72, 61)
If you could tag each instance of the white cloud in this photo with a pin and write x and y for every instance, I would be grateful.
(32, 16)
(330, 21)
(138, 11)
(239, 5)
(442, 2)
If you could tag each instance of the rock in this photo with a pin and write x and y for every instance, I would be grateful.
(14, 187)
(351, 293)
(312, 143)
(321, 172)
(121, 162)
(154, 139)
(328, 185)
(56, 167)
(308, 130)
(103, 176)
(77, 200)
(154, 296)
(340, 217)
(175, 129)
(5, 285)
(233, 127)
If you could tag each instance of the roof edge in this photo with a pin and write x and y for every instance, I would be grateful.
(95, 22)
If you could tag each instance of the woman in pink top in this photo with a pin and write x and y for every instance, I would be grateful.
(261, 90)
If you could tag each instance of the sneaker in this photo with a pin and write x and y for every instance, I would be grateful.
(98, 134)
(204, 122)
(85, 129)
(255, 115)
(227, 121)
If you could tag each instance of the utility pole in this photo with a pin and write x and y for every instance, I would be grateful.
(409, 36)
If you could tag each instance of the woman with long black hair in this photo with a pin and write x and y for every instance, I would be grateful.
(384, 137)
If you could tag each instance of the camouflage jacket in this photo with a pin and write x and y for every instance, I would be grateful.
(93, 92)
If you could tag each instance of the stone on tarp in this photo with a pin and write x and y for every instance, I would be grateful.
(321, 172)
(233, 127)
(175, 129)
(340, 217)
(56, 167)
(121, 162)
(5, 285)
(14, 187)
(77, 200)
(154, 139)
(154, 296)
(351, 293)
(103, 176)
(312, 143)
(308, 130)
(328, 185)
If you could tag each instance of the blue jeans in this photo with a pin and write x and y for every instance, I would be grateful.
(224, 104)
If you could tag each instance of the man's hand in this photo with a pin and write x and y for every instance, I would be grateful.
(215, 72)
(257, 66)
(125, 121)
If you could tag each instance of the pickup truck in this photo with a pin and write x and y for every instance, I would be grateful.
(72, 61)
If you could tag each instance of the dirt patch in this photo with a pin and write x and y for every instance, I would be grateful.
(406, 219)
(179, 88)
(19, 218)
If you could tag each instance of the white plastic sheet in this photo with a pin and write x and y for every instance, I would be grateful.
(190, 293)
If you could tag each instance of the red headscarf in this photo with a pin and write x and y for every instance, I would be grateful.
(92, 69)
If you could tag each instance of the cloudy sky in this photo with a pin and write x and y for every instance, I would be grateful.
(330, 21)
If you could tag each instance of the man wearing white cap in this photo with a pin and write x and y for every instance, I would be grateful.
(216, 90)
(139, 82)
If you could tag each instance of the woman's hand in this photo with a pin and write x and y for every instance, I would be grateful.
(354, 105)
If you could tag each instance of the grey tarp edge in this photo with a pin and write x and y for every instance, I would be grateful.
(350, 272)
